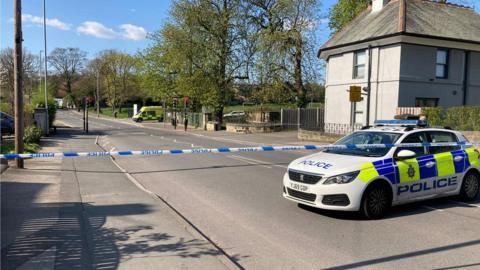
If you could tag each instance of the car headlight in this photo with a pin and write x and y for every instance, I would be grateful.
(342, 178)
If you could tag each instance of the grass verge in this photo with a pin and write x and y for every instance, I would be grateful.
(109, 112)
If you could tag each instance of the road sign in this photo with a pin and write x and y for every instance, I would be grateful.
(355, 93)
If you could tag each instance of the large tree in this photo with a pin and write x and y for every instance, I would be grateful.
(286, 30)
(345, 11)
(202, 51)
(119, 73)
(68, 62)
(29, 65)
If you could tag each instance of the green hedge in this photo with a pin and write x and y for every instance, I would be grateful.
(458, 118)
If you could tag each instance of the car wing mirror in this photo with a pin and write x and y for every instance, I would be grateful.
(405, 154)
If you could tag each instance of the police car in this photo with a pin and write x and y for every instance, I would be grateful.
(371, 180)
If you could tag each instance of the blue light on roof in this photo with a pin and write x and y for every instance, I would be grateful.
(398, 122)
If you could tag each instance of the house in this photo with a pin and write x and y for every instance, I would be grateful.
(409, 53)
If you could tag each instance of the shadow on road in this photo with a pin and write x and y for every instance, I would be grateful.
(396, 211)
(74, 235)
(410, 255)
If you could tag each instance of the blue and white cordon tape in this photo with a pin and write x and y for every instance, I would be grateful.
(228, 150)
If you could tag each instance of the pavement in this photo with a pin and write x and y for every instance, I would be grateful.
(234, 201)
(62, 214)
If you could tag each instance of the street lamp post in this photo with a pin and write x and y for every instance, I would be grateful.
(45, 59)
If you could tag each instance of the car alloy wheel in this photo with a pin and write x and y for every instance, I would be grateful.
(470, 186)
(376, 201)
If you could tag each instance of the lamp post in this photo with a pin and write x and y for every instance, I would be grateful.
(45, 59)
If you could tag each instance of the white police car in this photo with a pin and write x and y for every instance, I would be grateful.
(373, 179)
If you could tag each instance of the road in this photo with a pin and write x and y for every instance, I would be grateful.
(235, 200)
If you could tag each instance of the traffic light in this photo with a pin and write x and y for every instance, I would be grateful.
(174, 103)
(355, 93)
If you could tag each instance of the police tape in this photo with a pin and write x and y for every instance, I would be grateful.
(231, 150)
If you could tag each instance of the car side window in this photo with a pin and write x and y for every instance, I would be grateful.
(418, 137)
(442, 137)
(151, 113)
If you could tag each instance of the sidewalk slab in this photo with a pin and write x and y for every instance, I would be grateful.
(84, 213)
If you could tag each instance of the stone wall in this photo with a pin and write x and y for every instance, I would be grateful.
(317, 136)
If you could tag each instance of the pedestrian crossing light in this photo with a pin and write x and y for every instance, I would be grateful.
(355, 93)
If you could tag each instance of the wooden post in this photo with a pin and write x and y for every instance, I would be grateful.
(18, 81)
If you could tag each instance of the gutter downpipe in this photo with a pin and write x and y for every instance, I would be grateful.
(465, 77)
(369, 83)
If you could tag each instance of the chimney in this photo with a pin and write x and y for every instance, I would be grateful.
(378, 5)
(402, 16)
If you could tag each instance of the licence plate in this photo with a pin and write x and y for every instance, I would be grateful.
(298, 187)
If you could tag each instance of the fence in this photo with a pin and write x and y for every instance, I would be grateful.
(195, 120)
(308, 119)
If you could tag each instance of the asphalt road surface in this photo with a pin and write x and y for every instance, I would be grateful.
(235, 199)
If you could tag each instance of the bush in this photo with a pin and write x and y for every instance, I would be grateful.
(6, 108)
(459, 118)
(32, 134)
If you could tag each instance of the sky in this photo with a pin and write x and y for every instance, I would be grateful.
(95, 25)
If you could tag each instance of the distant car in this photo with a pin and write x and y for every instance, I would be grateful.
(8, 123)
(234, 114)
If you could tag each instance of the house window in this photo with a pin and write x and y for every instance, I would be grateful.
(426, 102)
(359, 65)
(441, 68)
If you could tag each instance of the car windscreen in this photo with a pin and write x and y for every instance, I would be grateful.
(366, 137)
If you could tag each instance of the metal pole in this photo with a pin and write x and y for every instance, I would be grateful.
(18, 81)
(40, 69)
(45, 47)
(84, 123)
(86, 112)
(164, 113)
(98, 94)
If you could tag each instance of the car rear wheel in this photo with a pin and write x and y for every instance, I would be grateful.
(470, 186)
(376, 201)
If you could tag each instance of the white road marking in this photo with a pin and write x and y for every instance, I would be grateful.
(249, 162)
(259, 161)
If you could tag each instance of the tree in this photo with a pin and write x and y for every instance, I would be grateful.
(286, 29)
(202, 51)
(118, 71)
(345, 11)
(68, 62)
(30, 64)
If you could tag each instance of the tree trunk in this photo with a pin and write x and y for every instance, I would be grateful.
(301, 97)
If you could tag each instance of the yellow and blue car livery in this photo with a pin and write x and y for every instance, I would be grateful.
(337, 180)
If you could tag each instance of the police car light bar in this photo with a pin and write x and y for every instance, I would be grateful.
(400, 123)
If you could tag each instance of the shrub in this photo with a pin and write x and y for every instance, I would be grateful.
(6, 108)
(459, 118)
(32, 134)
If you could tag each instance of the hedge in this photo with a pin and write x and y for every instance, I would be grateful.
(458, 118)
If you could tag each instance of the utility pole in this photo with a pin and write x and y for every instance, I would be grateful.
(45, 74)
(18, 81)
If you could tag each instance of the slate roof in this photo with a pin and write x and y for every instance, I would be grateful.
(422, 17)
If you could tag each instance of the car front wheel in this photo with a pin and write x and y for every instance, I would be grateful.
(470, 187)
(376, 201)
